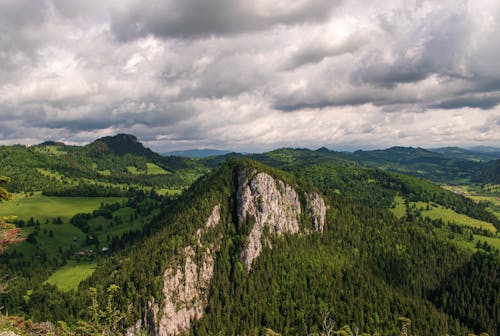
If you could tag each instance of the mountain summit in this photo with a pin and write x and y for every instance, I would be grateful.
(120, 144)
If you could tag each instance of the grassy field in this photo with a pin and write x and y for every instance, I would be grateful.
(436, 211)
(151, 169)
(448, 215)
(43, 207)
(492, 203)
(53, 150)
(49, 174)
(123, 221)
(155, 170)
(69, 277)
(399, 208)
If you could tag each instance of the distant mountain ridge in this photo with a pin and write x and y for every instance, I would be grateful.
(197, 153)
(481, 154)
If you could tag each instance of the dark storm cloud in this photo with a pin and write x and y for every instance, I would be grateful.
(199, 18)
(484, 102)
(229, 73)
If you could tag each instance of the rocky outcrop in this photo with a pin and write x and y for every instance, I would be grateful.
(271, 204)
(315, 204)
(185, 287)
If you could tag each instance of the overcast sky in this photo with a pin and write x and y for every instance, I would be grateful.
(251, 75)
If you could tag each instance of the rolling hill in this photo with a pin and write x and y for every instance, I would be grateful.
(249, 248)
(261, 243)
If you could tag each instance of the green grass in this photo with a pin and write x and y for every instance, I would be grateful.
(43, 207)
(398, 207)
(169, 192)
(69, 277)
(134, 170)
(153, 169)
(448, 215)
(493, 241)
(492, 203)
(53, 150)
(122, 222)
(49, 174)
(437, 211)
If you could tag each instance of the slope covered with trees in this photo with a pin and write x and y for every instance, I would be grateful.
(367, 267)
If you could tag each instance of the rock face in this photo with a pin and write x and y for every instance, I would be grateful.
(185, 288)
(317, 209)
(271, 204)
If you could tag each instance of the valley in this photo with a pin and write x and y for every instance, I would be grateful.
(254, 243)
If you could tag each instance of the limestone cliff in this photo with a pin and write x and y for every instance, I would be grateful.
(186, 286)
(317, 209)
(274, 205)
(265, 207)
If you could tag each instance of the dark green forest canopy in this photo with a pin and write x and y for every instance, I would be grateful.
(367, 268)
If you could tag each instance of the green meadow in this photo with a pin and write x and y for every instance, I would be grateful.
(43, 207)
(69, 277)
(436, 211)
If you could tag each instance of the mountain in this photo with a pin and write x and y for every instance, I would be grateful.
(485, 149)
(197, 153)
(248, 249)
(267, 242)
(119, 144)
(114, 161)
(406, 160)
(491, 173)
(466, 154)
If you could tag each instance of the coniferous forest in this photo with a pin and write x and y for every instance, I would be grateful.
(368, 269)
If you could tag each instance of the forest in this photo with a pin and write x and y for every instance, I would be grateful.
(377, 265)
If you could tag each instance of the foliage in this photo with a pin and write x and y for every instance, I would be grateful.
(369, 266)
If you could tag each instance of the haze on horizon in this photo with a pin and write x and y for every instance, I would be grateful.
(251, 76)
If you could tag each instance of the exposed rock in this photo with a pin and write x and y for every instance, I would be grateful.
(135, 329)
(185, 289)
(8, 333)
(271, 204)
(315, 204)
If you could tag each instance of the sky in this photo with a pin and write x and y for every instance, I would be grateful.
(251, 75)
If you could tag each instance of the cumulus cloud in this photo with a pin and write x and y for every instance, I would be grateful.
(199, 18)
(251, 75)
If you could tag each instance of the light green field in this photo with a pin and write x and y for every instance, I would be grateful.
(169, 192)
(439, 212)
(492, 203)
(69, 277)
(49, 174)
(121, 222)
(50, 239)
(448, 215)
(134, 170)
(493, 241)
(105, 172)
(464, 242)
(53, 150)
(47, 207)
(399, 208)
(153, 169)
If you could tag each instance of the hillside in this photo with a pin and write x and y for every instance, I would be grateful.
(491, 173)
(248, 247)
(111, 164)
(197, 153)
(468, 154)
(272, 242)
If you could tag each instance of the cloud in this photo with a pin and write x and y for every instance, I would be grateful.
(251, 75)
(199, 18)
